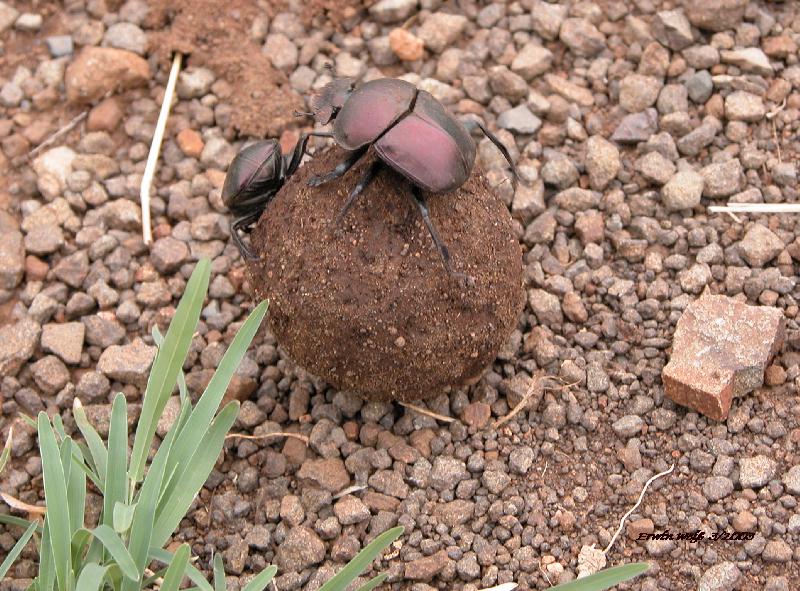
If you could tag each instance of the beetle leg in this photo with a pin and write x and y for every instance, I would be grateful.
(500, 146)
(243, 223)
(422, 207)
(362, 183)
(300, 149)
(340, 169)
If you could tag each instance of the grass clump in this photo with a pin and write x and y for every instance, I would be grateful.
(144, 501)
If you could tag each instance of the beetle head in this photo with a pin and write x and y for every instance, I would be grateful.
(325, 105)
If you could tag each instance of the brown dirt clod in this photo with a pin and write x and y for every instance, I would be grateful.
(368, 305)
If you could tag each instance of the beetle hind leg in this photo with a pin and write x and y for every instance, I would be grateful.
(422, 206)
(339, 170)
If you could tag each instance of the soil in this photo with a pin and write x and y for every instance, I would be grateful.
(410, 330)
(217, 35)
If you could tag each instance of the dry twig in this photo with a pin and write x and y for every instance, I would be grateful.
(72, 124)
(302, 438)
(534, 388)
(15, 503)
(426, 412)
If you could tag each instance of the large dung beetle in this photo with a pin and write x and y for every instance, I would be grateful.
(254, 177)
(410, 131)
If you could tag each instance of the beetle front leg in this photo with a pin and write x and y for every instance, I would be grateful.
(362, 184)
(339, 170)
(243, 223)
(300, 149)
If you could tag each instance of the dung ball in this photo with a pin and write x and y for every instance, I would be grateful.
(366, 303)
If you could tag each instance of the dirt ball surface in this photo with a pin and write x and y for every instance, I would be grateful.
(367, 304)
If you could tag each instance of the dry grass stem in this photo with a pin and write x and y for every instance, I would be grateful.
(302, 438)
(155, 149)
(72, 124)
(534, 388)
(426, 412)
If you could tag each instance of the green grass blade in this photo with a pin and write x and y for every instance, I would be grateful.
(165, 557)
(80, 539)
(31, 422)
(207, 406)
(192, 479)
(47, 568)
(362, 560)
(116, 487)
(174, 574)
(91, 577)
(58, 427)
(76, 484)
(261, 580)
(605, 579)
(16, 550)
(55, 492)
(116, 548)
(97, 449)
(373, 582)
(158, 339)
(6, 454)
(18, 522)
(219, 574)
(168, 363)
(123, 517)
(141, 532)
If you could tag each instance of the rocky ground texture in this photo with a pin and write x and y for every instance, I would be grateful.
(627, 119)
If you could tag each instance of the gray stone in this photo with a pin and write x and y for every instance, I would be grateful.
(217, 153)
(64, 340)
(784, 174)
(757, 471)
(194, 82)
(546, 307)
(103, 329)
(749, 59)
(655, 168)
(602, 162)
(447, 472)
(777, 551)
(50, 374)
(683, 191)
(637, 127)
(129, 364)
(56, 163)
(722, 178)
(716, 488)
(759, 246)
(28, 22)
(168, 254)
(281, 51)
(672, 29)
(440, 30)
(724, 576)
(126, 36)
(628, 426)
(582, 37)
(702, 136)
(637, 92)
(392, 11)
(60, 45)
(547, 18)
(18, 343)
(350, 510)
(300, 549)
(700, 86)
(559, 171)
(8, 14)
(531, 61)
(744, 106)
(12, 260)
(791, 480)
(715, 15)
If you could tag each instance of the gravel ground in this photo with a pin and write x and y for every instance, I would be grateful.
(627, 119)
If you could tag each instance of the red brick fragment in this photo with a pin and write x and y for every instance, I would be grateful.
(720, 350)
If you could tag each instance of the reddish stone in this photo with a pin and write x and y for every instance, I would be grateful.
(328, 473)
(35, 268)
(98, 70)
(721, 349)
(406, 45)
(190, 142)
(477, 414)
(239, 389)
(288, 140)
(380, 502)
(215, 177)
(639, 526)
(424, 569)
(779, 47)
(105, 116)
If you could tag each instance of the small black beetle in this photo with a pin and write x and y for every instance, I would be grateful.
(254, 177)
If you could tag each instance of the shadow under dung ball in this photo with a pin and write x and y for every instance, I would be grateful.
(367, 304)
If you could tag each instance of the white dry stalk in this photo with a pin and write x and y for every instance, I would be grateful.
(155, 148)
(503, 587)
(756, 208)
(639, 502)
